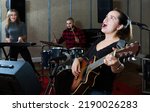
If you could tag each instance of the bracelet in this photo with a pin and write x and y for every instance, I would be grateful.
(119, 66)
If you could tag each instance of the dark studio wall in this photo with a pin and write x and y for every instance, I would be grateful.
(103, 7)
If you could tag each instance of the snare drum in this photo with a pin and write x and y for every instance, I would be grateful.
(52, 53)
(76, 52)
(57, 51)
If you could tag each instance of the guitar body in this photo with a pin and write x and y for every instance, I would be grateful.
(84, 81)
(78, 80)
(66, 83)
(87, 82)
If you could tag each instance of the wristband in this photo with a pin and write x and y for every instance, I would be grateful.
(119, 66)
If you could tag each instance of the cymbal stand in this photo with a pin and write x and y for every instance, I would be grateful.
(50, 90)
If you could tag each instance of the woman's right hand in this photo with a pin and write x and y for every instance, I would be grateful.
(76, 69)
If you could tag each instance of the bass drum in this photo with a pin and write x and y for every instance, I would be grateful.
(63, 82)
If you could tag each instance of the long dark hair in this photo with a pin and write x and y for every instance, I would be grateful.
(126, 32)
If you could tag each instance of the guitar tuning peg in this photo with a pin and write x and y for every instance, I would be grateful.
(124, 60)
(129, 58)
(133, 58)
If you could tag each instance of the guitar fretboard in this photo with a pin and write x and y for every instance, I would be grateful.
(95, 65)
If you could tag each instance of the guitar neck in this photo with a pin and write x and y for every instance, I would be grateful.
(95, 64)
(128, 52)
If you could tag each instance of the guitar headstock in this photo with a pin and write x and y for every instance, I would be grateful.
(129, 52)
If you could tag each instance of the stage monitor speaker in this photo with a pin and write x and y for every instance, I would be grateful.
(103, 6)
(19, 5)
(18, 78)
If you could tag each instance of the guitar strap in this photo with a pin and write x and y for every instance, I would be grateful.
(121, 44)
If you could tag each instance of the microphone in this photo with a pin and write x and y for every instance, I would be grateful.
(64, 56)
(138, 24)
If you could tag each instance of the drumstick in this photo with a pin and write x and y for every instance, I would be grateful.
(73, 32)
(54, 36)
(76, 38)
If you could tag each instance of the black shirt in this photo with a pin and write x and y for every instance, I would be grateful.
(104, 81)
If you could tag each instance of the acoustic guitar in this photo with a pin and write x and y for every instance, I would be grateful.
(86, 78)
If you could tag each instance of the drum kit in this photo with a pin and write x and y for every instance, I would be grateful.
(56, 59)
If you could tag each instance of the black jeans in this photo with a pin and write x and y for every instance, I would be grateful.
(24, 52)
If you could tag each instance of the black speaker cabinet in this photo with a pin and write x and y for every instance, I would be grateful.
(19, 5)
(103, 6)
(18, 78)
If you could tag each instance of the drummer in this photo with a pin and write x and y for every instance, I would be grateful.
(72, 36)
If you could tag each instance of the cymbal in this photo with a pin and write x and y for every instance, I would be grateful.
(51, 44)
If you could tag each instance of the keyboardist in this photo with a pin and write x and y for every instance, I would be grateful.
(16, 33)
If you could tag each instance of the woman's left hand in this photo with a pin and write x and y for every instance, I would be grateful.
(110, 60)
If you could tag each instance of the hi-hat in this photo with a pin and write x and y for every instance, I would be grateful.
(51, 44)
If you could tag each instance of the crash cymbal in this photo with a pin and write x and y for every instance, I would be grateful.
(51, 44)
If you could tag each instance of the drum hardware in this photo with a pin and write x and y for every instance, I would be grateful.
(59, 54)
(51, 44)
(50, 90)
(45, 54)
(53, 53)
(56, 59)
(55, 65)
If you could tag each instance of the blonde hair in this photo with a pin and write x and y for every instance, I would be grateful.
(8, 17)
